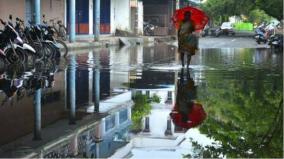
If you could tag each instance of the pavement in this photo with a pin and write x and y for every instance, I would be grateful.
(229, 42)
(108, 40)
(242, 40)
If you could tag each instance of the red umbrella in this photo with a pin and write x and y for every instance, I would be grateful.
(196, 117)
(199, 18)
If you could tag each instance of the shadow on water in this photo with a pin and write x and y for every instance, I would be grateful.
(88, 100)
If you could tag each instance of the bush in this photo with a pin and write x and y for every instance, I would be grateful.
(156, 98)
(140, 109)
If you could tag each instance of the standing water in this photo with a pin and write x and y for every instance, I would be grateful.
(115, 102)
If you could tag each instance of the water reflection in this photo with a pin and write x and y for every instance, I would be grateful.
(186, 112)
(83, 107)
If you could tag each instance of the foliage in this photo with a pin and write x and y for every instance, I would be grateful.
(244, 112)
(220, 10)
(273, 8)
(140, 109)
(156, 99)
(258, 16)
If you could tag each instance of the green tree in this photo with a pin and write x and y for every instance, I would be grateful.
(257, 16)
(220, 10)
(273, 8)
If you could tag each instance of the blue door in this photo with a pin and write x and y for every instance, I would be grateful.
(82, 16)
(105, 16)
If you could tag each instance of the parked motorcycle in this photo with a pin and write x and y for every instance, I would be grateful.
(148, 29)
(205, 31)
(260, 35)
(12, 45)
(276, 41)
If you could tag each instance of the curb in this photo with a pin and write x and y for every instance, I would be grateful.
(117, 41)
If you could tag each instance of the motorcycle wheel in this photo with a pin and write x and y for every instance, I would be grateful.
(39, 51)
(48, 50)
(15, 57)
(63, 47)
(147, 32)
(2, 65)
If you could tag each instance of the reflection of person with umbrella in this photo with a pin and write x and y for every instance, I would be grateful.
(187, 20)
(187, 113)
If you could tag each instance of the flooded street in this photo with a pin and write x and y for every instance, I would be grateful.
(116, 102)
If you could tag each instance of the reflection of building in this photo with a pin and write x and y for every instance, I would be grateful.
(87, 79)
(20, 112)
(97, 139)
(110, 134)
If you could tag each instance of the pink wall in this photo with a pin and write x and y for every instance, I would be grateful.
(14, 7)
(54, 9)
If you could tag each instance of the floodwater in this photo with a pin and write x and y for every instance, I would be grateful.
(116, 102)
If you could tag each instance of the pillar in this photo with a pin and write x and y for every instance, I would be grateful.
(90, 79)
(97, 150)
(147, 125)
(97, 83)
(91, 18)
(65, 13)
(97, 19)
(129, 113)
(72, 89)
(37, 115)
(37, 11)
(72, 20)
(169, 127)
(117, 119)
(177, 4)
(99, 133)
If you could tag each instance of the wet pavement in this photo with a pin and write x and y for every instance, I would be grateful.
(116, 102)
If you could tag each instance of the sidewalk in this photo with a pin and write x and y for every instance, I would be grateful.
(85, 42)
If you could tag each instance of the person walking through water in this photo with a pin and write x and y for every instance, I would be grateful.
(187, 41)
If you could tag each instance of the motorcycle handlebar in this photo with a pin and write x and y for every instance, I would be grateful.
(4, 23)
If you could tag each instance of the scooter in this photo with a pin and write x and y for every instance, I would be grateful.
(15, 50)
(276, 41)
(260, 35)
(148, 29)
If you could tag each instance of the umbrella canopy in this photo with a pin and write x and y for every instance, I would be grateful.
(196, 116)
(199, 18)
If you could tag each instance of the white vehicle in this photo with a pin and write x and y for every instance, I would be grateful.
(225, 29)
(226, 25)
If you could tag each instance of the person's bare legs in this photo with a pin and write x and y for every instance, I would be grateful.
(182, 58)
(188, 60)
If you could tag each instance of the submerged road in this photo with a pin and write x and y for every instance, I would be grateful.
(228, 42)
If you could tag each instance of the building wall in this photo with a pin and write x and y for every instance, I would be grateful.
(17, 8)
(120, 15)
(13, 7)
(53, 9)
